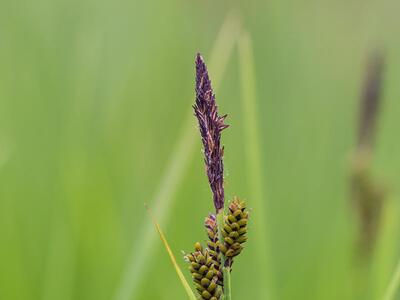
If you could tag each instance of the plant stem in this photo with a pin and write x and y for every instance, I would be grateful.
(226, 270)
(227, 283)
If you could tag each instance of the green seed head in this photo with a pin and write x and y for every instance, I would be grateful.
(235, 230)
(204, 273)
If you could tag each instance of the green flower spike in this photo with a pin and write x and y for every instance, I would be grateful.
(211, 226)
(235, 230)
(204, 273)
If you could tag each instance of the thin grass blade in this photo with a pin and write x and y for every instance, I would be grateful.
(172, 256)
(253, 158)
(393, 285)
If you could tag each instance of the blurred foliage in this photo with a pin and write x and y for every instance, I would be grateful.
(93, 96)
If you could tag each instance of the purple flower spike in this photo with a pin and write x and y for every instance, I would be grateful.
(211, 125)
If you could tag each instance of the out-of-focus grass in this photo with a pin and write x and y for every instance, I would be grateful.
(253, 160)
(387, 279)
(93, 96)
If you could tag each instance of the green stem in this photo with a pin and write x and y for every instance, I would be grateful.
(225, 270)
(227, 283)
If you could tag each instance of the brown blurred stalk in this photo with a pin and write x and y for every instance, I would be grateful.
(366, 194)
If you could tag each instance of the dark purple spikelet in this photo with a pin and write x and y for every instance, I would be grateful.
(211, 125)
(370, 100)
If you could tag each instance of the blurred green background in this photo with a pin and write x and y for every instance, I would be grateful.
(95, 103)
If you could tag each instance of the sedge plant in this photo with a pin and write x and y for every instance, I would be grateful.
(211, 265)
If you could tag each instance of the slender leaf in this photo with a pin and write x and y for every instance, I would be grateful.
(172, 256)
